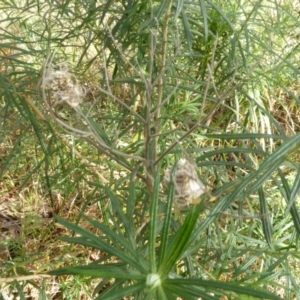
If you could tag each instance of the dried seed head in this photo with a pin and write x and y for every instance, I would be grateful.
(188, 187)
(63, 88)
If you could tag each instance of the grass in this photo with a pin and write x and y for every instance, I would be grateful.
(215, 83)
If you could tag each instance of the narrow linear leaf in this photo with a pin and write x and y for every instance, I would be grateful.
(162, 293)
(248, 262)
(153, 21)
(240, 136)
(153, 221)
(222, 14)
(100, 271)
(218, 285)
(230, 150)
(256, 179)
(98, 130)
(180, 241)
(116, 238)
(187, 293)
(130, 210)
(294, 192)
(120, 293)
(179, 6)
(293, 210)
(167, 222)
(90, 240)
(272, 267)
(187, 30)
(124, 219)
(265, 217)
(205, 19)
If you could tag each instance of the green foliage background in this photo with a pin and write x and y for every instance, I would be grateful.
(216, 82)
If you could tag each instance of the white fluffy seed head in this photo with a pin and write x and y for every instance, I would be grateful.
(63, 88)
(188, 186)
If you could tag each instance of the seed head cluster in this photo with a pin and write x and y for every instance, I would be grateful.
(63, 87)
(188, 186)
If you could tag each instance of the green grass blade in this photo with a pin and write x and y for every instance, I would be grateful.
(265, 217)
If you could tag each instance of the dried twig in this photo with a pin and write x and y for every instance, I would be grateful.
(24, 278)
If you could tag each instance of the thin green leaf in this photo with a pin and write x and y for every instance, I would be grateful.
(162, 8)
(117, 239)
(20, 289)
(187, 30)
(248, 262)
(161, 293)
(166, 227)
(121, 215)
(90, 240)
(272, 267)
(179, 6)
(230, 150)
(221, 13)
(114, 294)
(101, 285)
(205, 18)
(293, 210)
(100, 271)
(180, 242)
(154, 20)
(240, 136)
(153, 221)
(130, 209)
(265, 217)
(294, 193)
(225, 286)
(253, 180)
(98, 130)
(189, 293)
